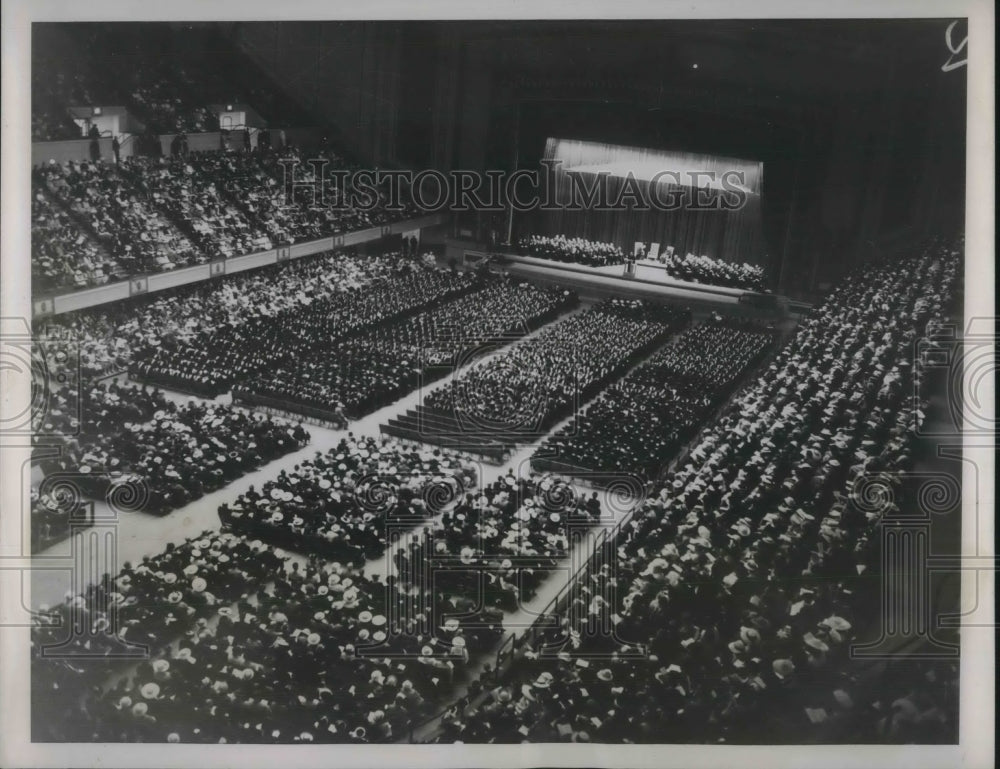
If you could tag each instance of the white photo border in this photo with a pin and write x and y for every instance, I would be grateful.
(976, 737)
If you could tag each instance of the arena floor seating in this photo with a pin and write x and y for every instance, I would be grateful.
(309, 462)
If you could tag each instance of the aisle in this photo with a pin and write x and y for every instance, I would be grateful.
(130, 536)
(137, 535)
(70, 565)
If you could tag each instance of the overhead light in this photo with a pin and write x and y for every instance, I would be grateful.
(229, 108)
(694, 66)
(97, 110)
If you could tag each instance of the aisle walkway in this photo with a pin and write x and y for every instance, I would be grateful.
(70, 565)
(133, 535)
(137, 534)
(116, 539)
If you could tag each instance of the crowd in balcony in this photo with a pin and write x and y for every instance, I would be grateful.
(95, 221)
(63, 254)
(127, 224)
(212, 219)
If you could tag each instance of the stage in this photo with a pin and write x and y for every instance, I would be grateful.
(650, 281)
(655, 272)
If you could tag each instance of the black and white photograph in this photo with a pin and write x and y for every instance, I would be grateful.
(498, 387)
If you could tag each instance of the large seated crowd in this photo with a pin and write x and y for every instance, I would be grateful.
(561, 248)
(95, 220)
(114, 434)
(244, 643)
(168, 87)
(640, 422)
(362, 374)
(221, 355)
(711, 643)
(106, 339)
(539, 380)
(508, 537)
(248, 646)
(721, 607)
(741, 580)
(341, 504)
(137, 235)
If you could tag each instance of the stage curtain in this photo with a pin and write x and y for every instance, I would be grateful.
(730, 235)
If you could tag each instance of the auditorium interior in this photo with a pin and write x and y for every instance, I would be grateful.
(341, 462)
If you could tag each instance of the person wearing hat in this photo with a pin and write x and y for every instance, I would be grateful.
(716, 700)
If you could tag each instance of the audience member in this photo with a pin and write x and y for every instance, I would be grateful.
(736, 585)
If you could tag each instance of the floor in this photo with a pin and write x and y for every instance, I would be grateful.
(131, 535)
(86, 555)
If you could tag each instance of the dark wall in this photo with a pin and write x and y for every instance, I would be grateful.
(347, 73)
(880, 167)
(860, 133)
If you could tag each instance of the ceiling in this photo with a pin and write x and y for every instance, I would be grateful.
(804, 59)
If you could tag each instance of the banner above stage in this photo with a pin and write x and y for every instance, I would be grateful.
(707, 205)
(685, 169)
